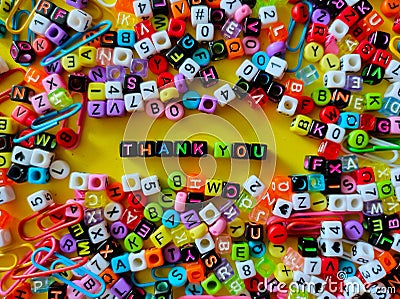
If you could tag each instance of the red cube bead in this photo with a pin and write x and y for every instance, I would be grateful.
(131, 217)
(366, 50)
(367, 122)
(144, 29)
(317, 33)
(364, 176)
(382, 58)
(165, 79)
(176, 28)
(349, 16)
(294, 87)
(329, 150)
(258, 97)
(330, 265)
(360, 30)
(396, 25)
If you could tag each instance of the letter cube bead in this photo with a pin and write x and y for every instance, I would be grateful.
(254, 186)
(77, 3)
(224, 94)
(209, 214)
(312, 265)
(79, 20)
(56, 34)
(245, 269)
(268, 15)
(145, 48)
(350, 63)
(21, 155)
(113, 90)
(5, 237)
(301, 201)
(283, 208)
(41, 158)
(276, 67)
(372, 74)
(150, 185)
(247, 70)
(331, 230)
(362, 252)
(6, 194)
(335, 79)
(287, 105)
(149, 90)
(204, 32)
(98, 233)
(331, 248)
(39, 24)
(40, 200)
(22, 52)
(142, 9)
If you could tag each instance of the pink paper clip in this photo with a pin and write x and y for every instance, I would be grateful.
(26, 262)
(48, 212)
(4, 95)
(65, 129)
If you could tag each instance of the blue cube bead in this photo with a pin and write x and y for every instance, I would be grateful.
(316, 182)
(257, 249)
(120, 264)
(354, 83)
(349, 120)
(308, 74)
(390, 106)
(260, 59)
(125, 38)
(37, 175)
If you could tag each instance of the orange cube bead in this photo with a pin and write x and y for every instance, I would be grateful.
(34, 77)
(124, 5)
(22, 291)
(180, 10)
(281, 187)
(294, 87)
(4, 180)
(374, 20)
(109, 277)
(259, 214)
(195, 272)
(4, 218)
(387, 261)
(234, 47)
(154, 257)
(277, 32)
(195, 183)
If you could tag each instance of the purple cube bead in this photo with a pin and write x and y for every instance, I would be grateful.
(67, 244)
(93, 216)
(180, 83)
(190, 219)
(118, 230)
(229, 211)
(115, 108)
(354, 83)
(115, 73)
(97, 74)
(321, 16)
(54, 68)
(208, 104)
(172, 254)
(96, 109)
(231, 29)
(224, 271)
(121, 288)
(140, 67)
(77, 3)
(56, 35)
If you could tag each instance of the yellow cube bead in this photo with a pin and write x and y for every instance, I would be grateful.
(180, 235)
(198, 231)
(318, 201)
(125, 20)
(5, 160)
(8, 125)
(71, 63)
(329, 62)
(161, 237)
(213, 187)
(276, 250)
(283, 274)
(159, 22)
(313, 52)
(381, 171)
(301, 124)
(96, 91)
(169, 94)
(391, 205)
(5, 8)
(87, 56)
(236, 228)
(95, 199)
(347, 45)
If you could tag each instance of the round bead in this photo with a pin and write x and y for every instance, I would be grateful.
(329, 62)
(154, 108)
(389, 8)
(177, 276)
(176, 180)
(313, 52)
(174, 111)
(158, 64)
(137, 200)
(277, 251)
(133, 243)
(318, 201)
(300, 13)
(329, 114)
(202, 57)
(251, 45)
(67, 138)
(276, 49)
(353, 230)
(153, 212)
(191, 100)
(305, 105)
(118, 230)
(358, 139)
(67, 244)
(348, 267)
(42, 47)
(277, 233)
(171, 219)
(59, 169)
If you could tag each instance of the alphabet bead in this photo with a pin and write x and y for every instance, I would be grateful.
(338, 29)
(79, 20)
(40, 200)
(6, 194)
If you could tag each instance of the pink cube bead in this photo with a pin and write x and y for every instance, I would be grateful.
(180, 83)
(74, 294)
(52, 82)
(174, 111)
(208, 104)
(251, 45)
(394, 124)
(98, 182)
(71, 212)
(241, 13)
(40, 103)
(155, 108)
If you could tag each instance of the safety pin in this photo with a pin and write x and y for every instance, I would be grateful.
(80, 121)
(24, 261)
(50, 120)
(68, 262)
(393, 49)
(107, 5)
(301, 43)
(4, 95)
(5, 252)
(44, 213)
(141, 285)
(157, 277)
(13, 11)
(379, 145)
(62, 50)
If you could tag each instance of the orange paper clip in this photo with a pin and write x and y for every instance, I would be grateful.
(4, 95)
(14, 9)
(48, 212)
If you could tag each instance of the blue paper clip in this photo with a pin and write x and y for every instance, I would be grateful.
(67, 262)
(15, 21)
(160, 278)
(50, 120)
(141, 285)
(68, 46)
(301, 43)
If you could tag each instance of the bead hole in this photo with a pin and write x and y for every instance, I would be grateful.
(137, 262)
(208, 105)
(154, 258)
(210, 214)
(53, 32)
(205, 243)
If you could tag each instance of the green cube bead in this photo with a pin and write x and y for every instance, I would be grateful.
(297, 294)
(60, 98)
(211, 284)
(373, 101)
(240, 251)
(321, 96)
(245, 202)
(222, 150)
(234, 285)
(385, 189)
(265, 267)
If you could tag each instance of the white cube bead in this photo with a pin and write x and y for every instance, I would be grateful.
(331, 248)
(337, 202)
(335, 133)
(79, 181)
(79, 20)
(3, 66)
(224, 94)
(393, 90)
(277, 67)
(353, 287)
(283, 208)
(267, 15)
(209, 214)
(145, 48)
(395, 176)
(161, 40)
(362, 253)
(230, 6)
(326, 295)
(300, 278)
(133, 102)
(6, 194)
(205, 32)
(301, 201)
(97, 264)
(287, 105)
(122, 56)
(21, 155)
(39, 24)
(41, 158)
(369, 192)
(392, 72)
(372, 271)
(205, 243)
(199, 14)
(5, 237)
(316, 286)
(254, 186)
(113, 211)
(247, 70)
(350, 63)
(59, 169)
(98, 232)
(40, 200)
(131, 182)
(149, 90)
(335, 79)
(142, 9)
(338, 29)
(137, 261)
(150, 185)
(332, 230)
(354, 202)
(312, 265)
(245, 269)
(189, 68)
(113, 90)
